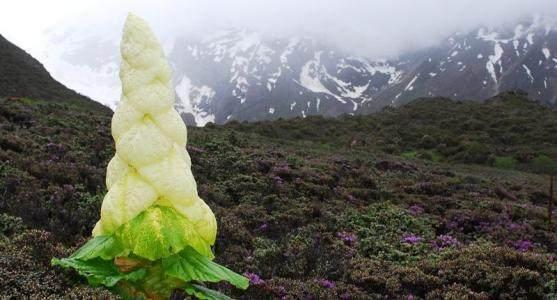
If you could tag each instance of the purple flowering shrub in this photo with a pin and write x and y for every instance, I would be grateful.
(401, 233)
(523, 245)
(348, 238)
(416, 210)
(411, 239)
(444, 241)
(254, 278)
(53, 159)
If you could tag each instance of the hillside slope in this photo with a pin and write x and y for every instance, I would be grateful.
(21, 75)
(354, 208)
(436, 128)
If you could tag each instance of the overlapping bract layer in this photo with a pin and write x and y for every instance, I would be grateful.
(151, 166)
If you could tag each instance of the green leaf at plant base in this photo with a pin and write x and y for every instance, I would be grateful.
(104, 246)
(203, 293)
(99, 271)
(161, 231)
(188, 265)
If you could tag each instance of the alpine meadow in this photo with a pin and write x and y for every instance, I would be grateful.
(239, 150)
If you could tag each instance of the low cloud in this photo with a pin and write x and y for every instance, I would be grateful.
(378, 28)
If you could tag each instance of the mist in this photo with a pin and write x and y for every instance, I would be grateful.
(375, 29)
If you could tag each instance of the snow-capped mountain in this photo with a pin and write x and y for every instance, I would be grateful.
(479, 64)
(239, 75)
(242, 75)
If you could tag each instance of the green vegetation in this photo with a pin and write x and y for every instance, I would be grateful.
(437, 129)
(505, 162)
(543, 164)
(436, 199)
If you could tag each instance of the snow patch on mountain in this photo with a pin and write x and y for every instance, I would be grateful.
(191, 98)
(383, 67)
(410, 85)
(528, 72)
(310, 77)
(292, 44)
(495, 60)
(546, 53)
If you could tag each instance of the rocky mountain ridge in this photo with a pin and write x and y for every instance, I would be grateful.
(243, 75)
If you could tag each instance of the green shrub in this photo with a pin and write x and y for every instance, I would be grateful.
(10, 225)
(473, 152)
(428, 142)
(505, 162)
(381, 230)
(543, 164)
(409, 154)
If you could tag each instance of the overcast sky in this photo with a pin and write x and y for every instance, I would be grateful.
(371, 27)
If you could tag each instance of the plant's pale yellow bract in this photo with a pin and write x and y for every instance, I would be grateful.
(151, 165)
(155, 233)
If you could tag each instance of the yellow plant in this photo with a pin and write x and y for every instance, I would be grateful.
(155, 233)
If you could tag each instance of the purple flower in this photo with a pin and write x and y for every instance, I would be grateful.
(254, 278)
(445, 241)
(327, 283)
(195, 149)
(484, 227)
(282, 169)
(68, 188)
(282, 292)
(348, 238)
(410, 297)
(263, 227)
(523, 245)
(278, 180)
(411, 239)
(345, 296)
(513, 226)
(415, 210)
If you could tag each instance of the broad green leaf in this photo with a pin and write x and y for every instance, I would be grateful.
(188, 265)
(155, 285)
(203, 293)
(104, 246)
(160, 231)
(99, 271)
